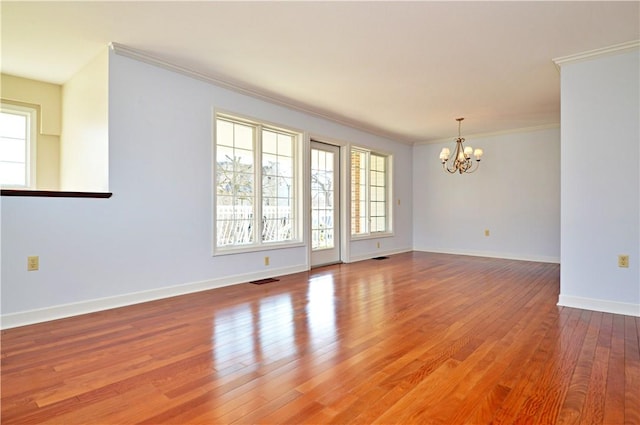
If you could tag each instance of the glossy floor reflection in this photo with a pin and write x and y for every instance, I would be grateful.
(269, 329)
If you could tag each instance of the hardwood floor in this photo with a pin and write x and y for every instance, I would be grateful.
(418, 338)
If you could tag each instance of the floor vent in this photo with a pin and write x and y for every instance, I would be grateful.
(380, 258)
(263, 281)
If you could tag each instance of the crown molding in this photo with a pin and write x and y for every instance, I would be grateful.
(492, 134)
(248, 90)
(592, 54)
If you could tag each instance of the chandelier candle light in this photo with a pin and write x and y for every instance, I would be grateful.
(461, 161)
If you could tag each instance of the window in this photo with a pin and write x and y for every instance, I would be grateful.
(370, 194)
(256, 184)
(17, 146)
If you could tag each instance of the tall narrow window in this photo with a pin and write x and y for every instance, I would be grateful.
(369, 193)
(235, 183)
(378, 191)
(256, 183)
(359, 198)
(277, 186)
(17, 146)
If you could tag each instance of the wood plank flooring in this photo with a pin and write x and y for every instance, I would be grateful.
(417, 338)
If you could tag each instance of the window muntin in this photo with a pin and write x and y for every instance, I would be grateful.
(17, 146)
(369, 193)
(256, 185)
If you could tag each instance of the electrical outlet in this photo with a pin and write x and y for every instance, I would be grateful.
(378, 244)
(623, 261)
(486, 232)
(33, 263)
(266, 261)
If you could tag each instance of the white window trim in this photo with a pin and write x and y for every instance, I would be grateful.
(298, 179)
(32, 142)
(389, 196)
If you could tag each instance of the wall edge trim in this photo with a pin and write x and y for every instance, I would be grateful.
(592, 54)
(30, 317)
(369, 256)
(255, 92)
(605, 306)
(488, 254)
(492, 134)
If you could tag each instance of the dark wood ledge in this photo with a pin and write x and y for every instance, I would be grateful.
(54, 194)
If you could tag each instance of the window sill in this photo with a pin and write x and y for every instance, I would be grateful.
(256, 248)
(368, 236)
(54, 194)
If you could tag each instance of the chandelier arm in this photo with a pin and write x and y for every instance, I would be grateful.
(447, 169)
(474, 168)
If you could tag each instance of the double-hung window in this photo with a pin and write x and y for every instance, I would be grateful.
(370, 192)
(256, 185)
(17, 146)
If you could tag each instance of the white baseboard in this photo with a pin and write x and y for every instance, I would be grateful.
(30, 317)
(489, 254)
(605, 306)
(369, 256)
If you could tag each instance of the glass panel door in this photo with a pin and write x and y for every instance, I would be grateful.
(325, 204)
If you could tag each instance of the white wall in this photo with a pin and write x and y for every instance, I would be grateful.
(601, 183)
(84, 141)
(153, 237)
(515, 194)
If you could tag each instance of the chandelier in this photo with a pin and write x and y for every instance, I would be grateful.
(461, 161)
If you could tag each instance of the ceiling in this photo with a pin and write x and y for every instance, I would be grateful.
(404, 70)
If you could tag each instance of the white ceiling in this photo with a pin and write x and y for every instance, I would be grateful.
(400, 69)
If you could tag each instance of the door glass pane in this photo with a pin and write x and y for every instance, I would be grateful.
(322, 199)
